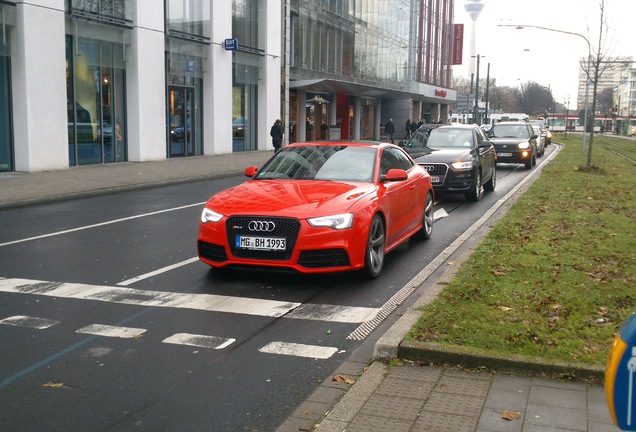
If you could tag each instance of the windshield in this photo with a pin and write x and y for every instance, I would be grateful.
(341, 162)
(450, 137)
(508, 131)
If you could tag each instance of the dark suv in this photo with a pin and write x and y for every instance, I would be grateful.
(459, 159)
(515, 142)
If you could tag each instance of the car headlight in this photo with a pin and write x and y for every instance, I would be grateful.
(468, 165)
(209, 216)
(524, 145)
(341, 221)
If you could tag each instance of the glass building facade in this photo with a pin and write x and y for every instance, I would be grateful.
(157, 80)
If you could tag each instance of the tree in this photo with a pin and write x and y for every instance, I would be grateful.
(605, 100)
(535, 98)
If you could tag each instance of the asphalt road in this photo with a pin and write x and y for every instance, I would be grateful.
(109, 322)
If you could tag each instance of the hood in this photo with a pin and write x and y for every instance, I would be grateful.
(445, 155)
(508, 141)
(292, 198)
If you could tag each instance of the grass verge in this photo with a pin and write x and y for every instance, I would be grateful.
(556, 277)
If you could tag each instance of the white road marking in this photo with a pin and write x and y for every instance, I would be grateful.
(28, 321)
(114, 221)
(202, 341)
(299, 350)
(111, 331)
(439, 214)
(204, 302)
(159, 271)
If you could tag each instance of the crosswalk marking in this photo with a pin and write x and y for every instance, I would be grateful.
(28, 321)
(111, 331)
(202, 341)
(298, 350)
(204, 302)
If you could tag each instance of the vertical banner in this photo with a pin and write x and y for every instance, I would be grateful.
(458, 43)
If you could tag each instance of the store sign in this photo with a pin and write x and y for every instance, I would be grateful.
(458, 43)
(189, 65)
(441, 93)
(230, 44)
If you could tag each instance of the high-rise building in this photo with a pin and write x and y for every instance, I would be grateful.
(615, 70)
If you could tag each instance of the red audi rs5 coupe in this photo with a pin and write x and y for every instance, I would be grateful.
(319, 207)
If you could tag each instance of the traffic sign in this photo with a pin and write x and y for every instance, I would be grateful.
(230, 44)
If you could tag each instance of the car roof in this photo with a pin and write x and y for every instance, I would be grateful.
(358, 143)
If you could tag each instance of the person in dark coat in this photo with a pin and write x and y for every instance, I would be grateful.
(408, 128)
(389, 128)
(276, 132)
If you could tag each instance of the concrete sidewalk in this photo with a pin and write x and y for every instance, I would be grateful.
(406, 396)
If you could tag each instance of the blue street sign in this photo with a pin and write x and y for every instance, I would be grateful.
(231, 44)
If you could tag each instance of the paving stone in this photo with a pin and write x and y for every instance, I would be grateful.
(326, 395)
(438, 422)
(556, 417)
(491, 421)
(378, 424)
(463, 386)
(391, 407)
(447, 403)
(558, 397)
(416, 373)
(405, 389)
(311, 410)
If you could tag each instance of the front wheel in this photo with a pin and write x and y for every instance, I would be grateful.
(475, 193)
(489, 186)
(374, 255)
(427, 222)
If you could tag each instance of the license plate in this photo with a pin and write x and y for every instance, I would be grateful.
(435, 179)
(504, 154)
(261, 243)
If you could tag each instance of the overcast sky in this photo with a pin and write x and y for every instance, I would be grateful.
(545, 57)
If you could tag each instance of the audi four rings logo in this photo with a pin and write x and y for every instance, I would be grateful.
(263, 226)
(429, 167)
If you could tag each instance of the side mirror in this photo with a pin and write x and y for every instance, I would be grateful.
(395, 174)
(250, 171)
(534, 136)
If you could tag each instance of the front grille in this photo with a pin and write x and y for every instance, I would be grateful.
(212, 252)
(435, 169)
(284, 227)
(324, 258)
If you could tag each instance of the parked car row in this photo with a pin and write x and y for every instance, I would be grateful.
(331, 206)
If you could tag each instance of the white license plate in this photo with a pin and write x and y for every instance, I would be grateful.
(504, 154)
(261, 243)
(435, 179)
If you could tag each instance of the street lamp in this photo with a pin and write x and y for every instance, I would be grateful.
(476, 109)
(589, 56)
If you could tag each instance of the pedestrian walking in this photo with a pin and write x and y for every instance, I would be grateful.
(276, 132)
(408, 129)
(389, 128)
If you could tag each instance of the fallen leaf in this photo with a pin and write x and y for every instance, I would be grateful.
(499, 273)
(53, 384)
(510, 415)
(344, 379)
(504, 308)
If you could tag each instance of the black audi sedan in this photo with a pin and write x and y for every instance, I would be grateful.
(458, 157)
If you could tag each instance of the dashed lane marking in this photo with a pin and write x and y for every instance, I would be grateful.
(29, 321)
(298, 350)
(203, 302)
(111, 331)
(202, 341)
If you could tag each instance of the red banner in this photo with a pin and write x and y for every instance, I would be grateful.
(458, 43)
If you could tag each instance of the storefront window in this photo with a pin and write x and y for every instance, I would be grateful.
(188, 17)
(110, 10)
(6, 148)
(245, 27)
(95, 102)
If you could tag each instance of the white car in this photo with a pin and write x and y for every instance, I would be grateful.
(541, 132)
